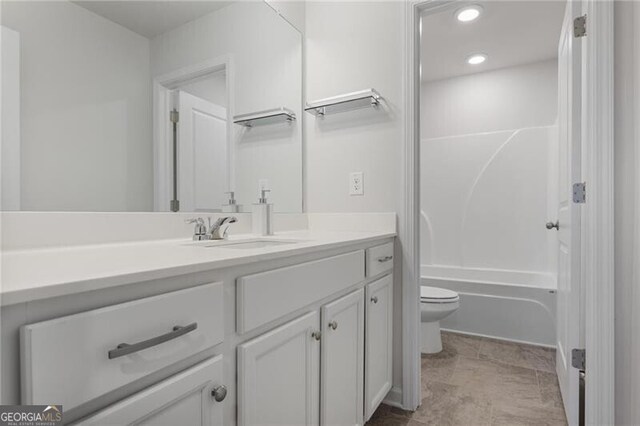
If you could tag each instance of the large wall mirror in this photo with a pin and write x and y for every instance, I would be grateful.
(149, 106)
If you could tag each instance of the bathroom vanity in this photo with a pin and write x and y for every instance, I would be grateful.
(108, 307)
(290, 329)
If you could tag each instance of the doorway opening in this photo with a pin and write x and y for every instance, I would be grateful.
(193, 139)
(495, 163)
(595, 121)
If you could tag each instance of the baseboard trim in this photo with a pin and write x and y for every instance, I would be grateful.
(394, 398)
(503, 339)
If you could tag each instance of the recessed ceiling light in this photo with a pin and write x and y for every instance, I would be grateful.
(468, 13)
(476, 59)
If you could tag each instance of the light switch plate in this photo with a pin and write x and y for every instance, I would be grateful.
(356, 183)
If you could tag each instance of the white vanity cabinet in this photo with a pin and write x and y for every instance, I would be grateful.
(379, 342)
(98, 351)
(295, 343)
(279, 373)
(342, 378)
(191, 398)
(307, 371)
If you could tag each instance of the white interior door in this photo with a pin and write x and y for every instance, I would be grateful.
(569, 330)
(203, 172)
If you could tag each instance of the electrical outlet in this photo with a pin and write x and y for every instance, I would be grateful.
(356, 183)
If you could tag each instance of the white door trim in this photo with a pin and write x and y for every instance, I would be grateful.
(408, 226)
(598, 214)
(162, 132)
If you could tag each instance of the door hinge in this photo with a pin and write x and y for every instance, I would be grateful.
(580, 26)
(174, 116)
(580, 192)
(578, 359)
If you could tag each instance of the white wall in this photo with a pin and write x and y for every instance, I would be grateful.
(86, 112)
(488, 181)
(212, 89)
(353, 46)
(10, 120)
(508, 98)
(266, 55)
(627, 212)
(293, 11)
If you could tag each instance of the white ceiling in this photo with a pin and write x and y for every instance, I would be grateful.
(509, 32)
(150, 18)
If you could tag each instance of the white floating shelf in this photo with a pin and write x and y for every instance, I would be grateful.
(347, 102)
(270, 116)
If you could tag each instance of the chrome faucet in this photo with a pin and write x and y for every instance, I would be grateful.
(217, 231)
(200, 230)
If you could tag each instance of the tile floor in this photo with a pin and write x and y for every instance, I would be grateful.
(480, 381)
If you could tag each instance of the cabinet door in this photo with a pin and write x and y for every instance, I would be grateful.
(184, 399)
(278, 375)
(342, 376)
(379, 342)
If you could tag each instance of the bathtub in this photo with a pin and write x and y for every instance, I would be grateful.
(508, 305)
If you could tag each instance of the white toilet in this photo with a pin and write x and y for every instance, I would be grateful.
(435, 304)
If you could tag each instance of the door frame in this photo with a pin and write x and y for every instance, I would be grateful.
(597, 242)
(163, 85)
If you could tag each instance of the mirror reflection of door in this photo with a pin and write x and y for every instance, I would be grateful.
(203, 154)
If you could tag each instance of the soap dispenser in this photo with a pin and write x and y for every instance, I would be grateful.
(262, 217)
(231, 206)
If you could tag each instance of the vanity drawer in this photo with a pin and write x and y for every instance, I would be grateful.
(270, 295)
(75, 359)
(379, 259)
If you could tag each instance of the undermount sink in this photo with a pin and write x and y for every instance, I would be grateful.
(251, 244)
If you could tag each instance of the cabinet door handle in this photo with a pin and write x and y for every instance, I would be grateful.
(333, 325)
(219, 393)
(316, 335)
(385, 259)
(374, 299)
(125, 348)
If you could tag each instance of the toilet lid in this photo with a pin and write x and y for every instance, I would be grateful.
(437, 294)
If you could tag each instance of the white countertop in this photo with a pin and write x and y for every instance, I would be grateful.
(34, 274)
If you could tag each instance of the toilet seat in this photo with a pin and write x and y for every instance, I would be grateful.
(437, 295)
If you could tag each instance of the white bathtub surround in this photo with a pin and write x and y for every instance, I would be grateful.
(488, 186)
(486, 198)
(508, 305)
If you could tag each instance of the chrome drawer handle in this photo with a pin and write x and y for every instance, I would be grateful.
(333, 325)
(316, 335)
(374, 299)
(385, 259)
(125, 348)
